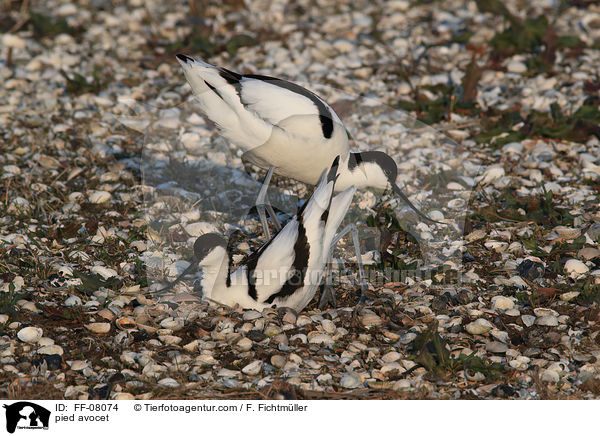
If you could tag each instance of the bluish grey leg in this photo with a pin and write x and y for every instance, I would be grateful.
(263, 207)
(328, 294)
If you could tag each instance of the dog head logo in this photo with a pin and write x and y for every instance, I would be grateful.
(24, 414)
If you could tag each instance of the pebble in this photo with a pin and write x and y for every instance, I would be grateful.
(30, 335)
(531, 269)
(479, 327)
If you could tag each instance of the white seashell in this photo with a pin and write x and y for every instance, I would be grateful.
(370, 319)
(98, 197)
(30, 335)
(500, 302)
(73, 300)
(253, 368)
(50, 349)
(200, 228)
(244, 344)
(547, 320)
(479, 326)
(492, 174)
(321, 339)
(103, 271)
(568, 296)
(278, 361)
(567, 232)
(574, 267)
(528, 320)
(98, 327)
(516, 67)
(350, 381)
(588, 253)
(549, 375)
(78, 365)
(170, 339)
(169, 382)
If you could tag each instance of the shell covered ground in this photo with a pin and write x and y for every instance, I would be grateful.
(108, 174)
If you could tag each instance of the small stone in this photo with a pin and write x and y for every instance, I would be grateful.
(500, 302)
(30, 335)
(124, 396)
(253, 368)
(98, 327)
(13, 41)
(479, 327)
(531, 269)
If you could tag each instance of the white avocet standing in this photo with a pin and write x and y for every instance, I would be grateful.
(288, 269)
(286, 129)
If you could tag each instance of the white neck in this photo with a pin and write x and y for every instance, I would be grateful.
(214, 272)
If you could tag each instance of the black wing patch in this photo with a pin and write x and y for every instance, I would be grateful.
(297, 274)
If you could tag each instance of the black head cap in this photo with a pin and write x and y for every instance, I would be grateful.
(184, 58)
(383, 160)
(205, 243)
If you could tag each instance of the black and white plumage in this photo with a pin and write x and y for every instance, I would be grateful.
(287, 270)
(283, 125)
